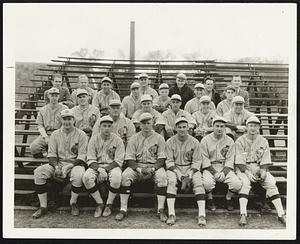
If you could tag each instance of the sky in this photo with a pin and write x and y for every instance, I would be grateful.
(41, 32)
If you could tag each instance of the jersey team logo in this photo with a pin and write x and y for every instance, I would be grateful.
(224, 151)
(153, 150)
(111, 152)
(74, 149)
(189, 155)
(92, 120)
(259, 153)
(122, 131)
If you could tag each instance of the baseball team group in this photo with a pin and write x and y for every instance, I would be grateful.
(178, 138)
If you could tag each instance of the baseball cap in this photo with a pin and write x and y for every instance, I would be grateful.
(205, 99)
(113, 102)
(180, 119)
(238, 99)
(199, 85)
(143, 75)
(135, 85)
(163, 86)
(230, 87)
(53, 90)
(145, 116)
(106, 79)
(176, 97)
(146, 97)
(67, 113)
(181, 75)
(81, 91)
(219, 119)
(106, 118)
(253, 119)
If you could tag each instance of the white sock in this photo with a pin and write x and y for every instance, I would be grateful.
(161, 202)
(171, 206)
(43, 199)
(74, 197)
(229, 195)
(124, 201)
(201, 207)
(111, 197)
(278, 205)
(209, 196)
(97, 197)
(243, 205)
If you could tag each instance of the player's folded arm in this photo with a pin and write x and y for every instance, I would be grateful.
(159, 163)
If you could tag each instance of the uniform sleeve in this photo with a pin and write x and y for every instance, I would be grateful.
(52, 146)
(135, 117)
(120, 153)
(197, 157)
(266, 157)
(46, 98)
(95, 101)
(187, 107)
(161, 148)
(73, 97)
(204, 153)
(169, 155)
(125, 107)
(240, 153)
(191, 119)
(165, 117)
(212, 105)
(130, 153)
(40, 125)
(246, 100)
(229, 162)
(82, 146)
(91, 152)
(130, 129)
(219, 110)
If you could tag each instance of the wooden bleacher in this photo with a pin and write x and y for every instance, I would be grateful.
(267, 85)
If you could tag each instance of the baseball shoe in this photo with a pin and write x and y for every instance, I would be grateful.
(211, 205)
(161, 215)
(243, 220)
(121, 215)
(282, 219)
(107, 210)
(98, 210)
(39, 213)
(201, 221)
(74, 209)
(266, 208)
(171, 220)
(229, 205)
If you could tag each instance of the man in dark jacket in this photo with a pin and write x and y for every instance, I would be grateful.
(210, 90)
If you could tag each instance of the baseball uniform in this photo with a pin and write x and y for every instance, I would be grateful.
(224, 107)
(90, 91)
(170, 118)
(149, 91)
(203, 121)
(130, 105)
(194, 104)
(101, 100)
(160, 105)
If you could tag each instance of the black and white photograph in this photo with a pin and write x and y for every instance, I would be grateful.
(149, 120)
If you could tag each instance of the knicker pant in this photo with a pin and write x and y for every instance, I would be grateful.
(246, 184)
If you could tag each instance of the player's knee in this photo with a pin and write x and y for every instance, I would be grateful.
(115, 180)
(88, 180)
(209, 184)
(40, 175)
(236, 185)
(172, 180)
(125, 181)
(76, 176)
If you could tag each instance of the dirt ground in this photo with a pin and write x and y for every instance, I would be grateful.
(144, 220)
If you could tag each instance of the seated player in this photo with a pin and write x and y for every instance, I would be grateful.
(236, 118)
(218, 163)
(64, 94)
(105, 159)
(253, 159)
(146, 103)
(183, 165)
(83, 83)
(121, 125)
(145, 155)
(193, 105)
(211, 91)
(145, 87)
(204, 118)
(175, 112)
(162, 102)
(67, 156)
(85, 114)
(48, 120)
(132, 103)
(225, 105)
(102, 98)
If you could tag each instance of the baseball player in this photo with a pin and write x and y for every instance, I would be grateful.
(64, 94)
(83, 83)
(121, 125)
(236, 118)
(194, 104)
(132, 103)
(181, 88)
(85, 114)
(175, 112)
(145, 88)
(203, 118)
(105, 159)
(145, 155)
(48, 120)
(162, 102)
(210, 90)
(225, 105)
(146, 103)
(218, 153)
(253, 159)
(183, 165)
(102, 98)
(66, 153)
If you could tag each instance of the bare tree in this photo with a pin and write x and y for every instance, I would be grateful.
(159, 55)
(86, 53)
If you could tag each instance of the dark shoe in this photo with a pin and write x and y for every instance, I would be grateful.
(98, 210)
(229, 205)
(121, 215)
(171, 220)
(243, 220)
(39, 213)
(211, 205)
(266, 208)
(201, 221)
(107, 210)
(161, 215)
(282, 219)
(74, 209)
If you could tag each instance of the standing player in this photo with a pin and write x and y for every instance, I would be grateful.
(174, 113)
(204, 118)
(145, 87)
(132, 103)
(67, 152)
(225, 105)
(218, 163)
(184, 163)
(145, 154)
(105, 159)
(102, 98)
(162, 102)
(211, 91)
(253, 159)
(48, 120)
(194, 104)
(83, 83)
(85, 114)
